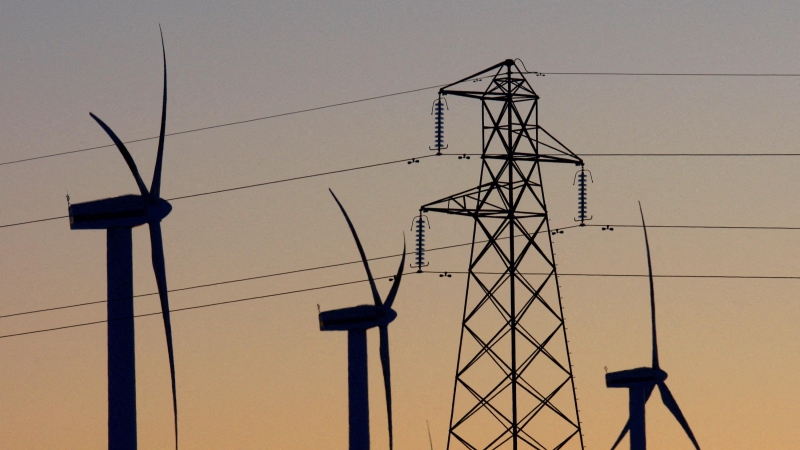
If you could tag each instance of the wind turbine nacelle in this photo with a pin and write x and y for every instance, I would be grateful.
(643, 376)
(359, 317)
(126, 211)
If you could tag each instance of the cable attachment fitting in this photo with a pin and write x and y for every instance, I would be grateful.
(418, 225)
(437, 110)
(580, 178)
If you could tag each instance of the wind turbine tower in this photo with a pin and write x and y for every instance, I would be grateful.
(642, 381)
(514, 387)
(356, 320)
(118, 215)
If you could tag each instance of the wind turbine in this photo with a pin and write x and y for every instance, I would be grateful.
(642, 381)
(356, 320)
(118, 215)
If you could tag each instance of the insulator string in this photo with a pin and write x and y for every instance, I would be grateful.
(438, 131)
(580, 179)
(418, 225)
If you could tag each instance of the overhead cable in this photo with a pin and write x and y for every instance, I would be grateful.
(350, 102)
(188, 308)
(266, 183)
(222, 125)
(227, 302)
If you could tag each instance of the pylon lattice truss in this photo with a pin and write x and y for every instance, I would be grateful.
(514, 387)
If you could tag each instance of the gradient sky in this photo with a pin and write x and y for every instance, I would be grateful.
(260, 374)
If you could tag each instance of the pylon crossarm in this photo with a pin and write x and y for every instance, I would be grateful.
(446, 90)
(564, 150)
(497, 89)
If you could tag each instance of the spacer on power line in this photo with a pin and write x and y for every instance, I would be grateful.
(438, 133)
(418, 225)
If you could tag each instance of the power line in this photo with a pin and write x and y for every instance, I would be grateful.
(222, 125)
(632, 275)
(266, 183)
(188, 308)
(219, 283)
(707, 227)
(238, 280)
(592, 155)
(351, 102)
(32, 221)
(673, 74)
(726, 155)
(397, 161)
(302, 177)
(296, 291)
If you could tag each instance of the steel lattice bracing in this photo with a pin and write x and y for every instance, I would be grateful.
(514, 387)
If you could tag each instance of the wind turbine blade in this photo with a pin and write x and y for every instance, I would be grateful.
(652, 291)
(387, 377)
(672, 405)
(625, 430)
(155, 187)
(628, 423)
(374, 288)
(157, 248)
(125, 154)
(430, 439)
(396, 284)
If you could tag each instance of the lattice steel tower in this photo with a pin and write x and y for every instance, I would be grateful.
(514, 387)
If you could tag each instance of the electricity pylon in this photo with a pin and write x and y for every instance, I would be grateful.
(514, 387)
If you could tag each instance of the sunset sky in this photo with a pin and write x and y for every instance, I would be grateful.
(259, 374)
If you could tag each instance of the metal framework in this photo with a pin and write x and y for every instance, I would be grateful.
(514, 387)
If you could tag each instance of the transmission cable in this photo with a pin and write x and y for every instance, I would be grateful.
(308, 269)
(633, 275)
(701, 227)
(682, 155)
(227, 302)
(350, 102)
(222, 125)
(671, 74)
(188, 308)
(266, 183)
(219, 283)
(397, 161)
